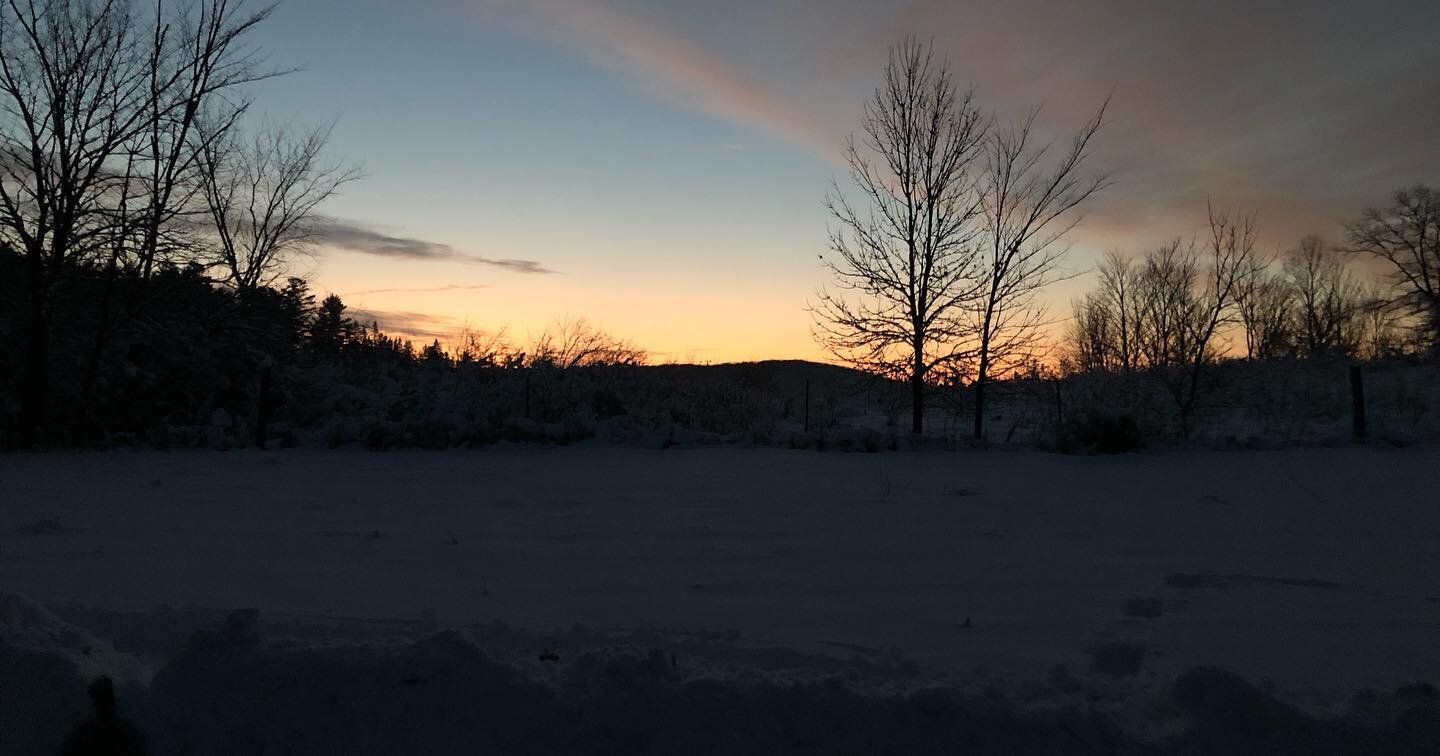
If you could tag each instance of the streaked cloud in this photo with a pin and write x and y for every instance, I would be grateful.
(677, 66)
(419, 290)
(1305, 114)
(415, 325)
(355, 237)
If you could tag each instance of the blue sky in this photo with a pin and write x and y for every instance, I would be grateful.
(668, 160)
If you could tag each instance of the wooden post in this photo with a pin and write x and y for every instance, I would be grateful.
(1357, 400)
(262, 408)
(527, 393)
(807, 405)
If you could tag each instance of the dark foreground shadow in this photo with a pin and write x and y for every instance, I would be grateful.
(232, 690)
(105, 733)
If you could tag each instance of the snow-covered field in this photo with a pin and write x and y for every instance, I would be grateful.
(1042, 580)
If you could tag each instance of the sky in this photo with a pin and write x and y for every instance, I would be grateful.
(660, 167)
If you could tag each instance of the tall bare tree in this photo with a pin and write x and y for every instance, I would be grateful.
(1382, 323)
(96, 108)
(1168, 293)
(1327, 300)
(902, 257)
(72, 93)
(1406, 236)
(1029, 203)
(1118, 284)
(262, 193)
(197, 59)
(1105, 331)
(1091, 335)
(1190, 304)
(1265, 304)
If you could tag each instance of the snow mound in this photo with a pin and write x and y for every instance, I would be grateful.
(45, 664)
(230, 691)
(26, 626)
(243, 686)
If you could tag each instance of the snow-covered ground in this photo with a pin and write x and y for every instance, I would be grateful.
(1313, 573)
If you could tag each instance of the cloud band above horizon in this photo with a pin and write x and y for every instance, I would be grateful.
(355, 237)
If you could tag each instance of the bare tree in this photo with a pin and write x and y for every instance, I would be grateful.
(1092, 338)
(571, 343)
(902, 257)
(1167, 291)
(1265, 304)
(96, 108)
(1382, 324)
(1118, 285)
(1187, 306)
(72, 92)
(1105, 334)
(196, 59)
(1327, 300)
(1406, 235)
(1028, 205)
(261, 194)
(486, 348)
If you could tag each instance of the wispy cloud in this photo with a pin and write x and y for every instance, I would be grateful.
(417, 325)
(419, 290)
(677, 67)
(1305, 117)
(355, 237)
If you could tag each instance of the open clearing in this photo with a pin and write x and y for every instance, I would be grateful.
(1317, 570)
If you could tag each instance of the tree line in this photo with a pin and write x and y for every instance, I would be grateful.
(954, 220)
(148, 213)
(129, 154)
(1167, 313)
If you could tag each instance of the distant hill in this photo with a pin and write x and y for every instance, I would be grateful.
(780, 374)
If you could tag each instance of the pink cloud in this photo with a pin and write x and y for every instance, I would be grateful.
(677, 67)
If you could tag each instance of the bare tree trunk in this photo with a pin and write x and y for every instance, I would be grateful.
(1027, 208)
(103, 329)
(32, 387)
(904, 264)
(980, 381)
(917, 390)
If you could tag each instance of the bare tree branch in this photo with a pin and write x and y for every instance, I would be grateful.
(260, 193)
(1028, 205)
(902, 254)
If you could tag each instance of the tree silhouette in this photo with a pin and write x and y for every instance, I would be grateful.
(1406, 236)
(902, 262)
(330, 331)
(261, 194)
(97, 116)
(1265, 304)
(1327, 300)
(1027, 207)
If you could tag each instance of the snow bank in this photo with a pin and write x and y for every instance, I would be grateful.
(45, 665)
(243, 687)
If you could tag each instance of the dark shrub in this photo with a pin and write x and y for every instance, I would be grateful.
(1097, 433)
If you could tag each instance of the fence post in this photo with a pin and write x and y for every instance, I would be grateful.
(527, 393)
(1357, 400)
(807, 405)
